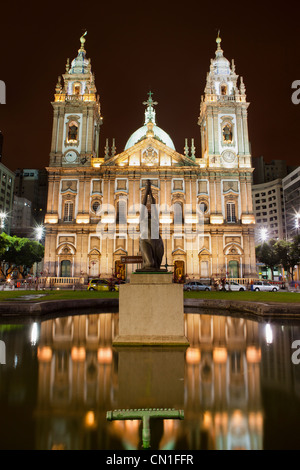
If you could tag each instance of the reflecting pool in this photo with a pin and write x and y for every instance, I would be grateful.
(238, 384)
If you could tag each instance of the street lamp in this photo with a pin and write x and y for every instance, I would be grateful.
(264, 234)
(3, 216)
(39, 232)
(297, 217)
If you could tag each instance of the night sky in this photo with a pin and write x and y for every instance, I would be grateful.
(135, 47)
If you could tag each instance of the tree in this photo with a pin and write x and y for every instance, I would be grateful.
(19, 253)
(289, 254)
(267, 254)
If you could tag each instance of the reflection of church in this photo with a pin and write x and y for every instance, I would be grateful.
(205, 203)
(216, 381)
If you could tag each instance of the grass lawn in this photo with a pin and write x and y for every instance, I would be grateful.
(84, 294)
(55, 295)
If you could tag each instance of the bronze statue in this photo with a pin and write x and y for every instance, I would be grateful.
(151, 244)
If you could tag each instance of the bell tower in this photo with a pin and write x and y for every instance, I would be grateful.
(223, 116)
(77, 117)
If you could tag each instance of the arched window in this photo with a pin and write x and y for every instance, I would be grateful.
(96, 206)
(227, 132)
(121, 217)
(73, 131)
(223, 90)
(178, 213)
(68, 211)
(230, 212)
(203, 207)
(76, 89)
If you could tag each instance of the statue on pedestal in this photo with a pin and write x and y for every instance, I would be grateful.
(151, 244)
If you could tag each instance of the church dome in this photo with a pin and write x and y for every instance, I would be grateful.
(141, 133)
(221, 66)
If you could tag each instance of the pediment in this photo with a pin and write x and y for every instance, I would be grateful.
(65, 249)
(178, 251)
(204, 251)
(149, 152)
(94, 251)
(120, 251)
(233, 249)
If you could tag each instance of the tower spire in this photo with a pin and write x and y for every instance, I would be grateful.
(150, 112)
(82, 42)
(219, 51)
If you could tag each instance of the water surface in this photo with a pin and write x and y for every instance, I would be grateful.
(236, 383)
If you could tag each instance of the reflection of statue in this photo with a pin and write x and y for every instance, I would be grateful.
(227, 134)
(72, 133)
(145, 415)
(151, 244)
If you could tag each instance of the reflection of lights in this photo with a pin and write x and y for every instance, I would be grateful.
(220, 355)
(78, 354)
(193, 356)
(207, 420)
(169, 425)
(253, 354)
(34, 333)
(16, 360)
(221, 420)
(237, 422)
(89, 419)
(104, 355)
(269, 334)
(132, 425)
(255, 420)
(44, 354)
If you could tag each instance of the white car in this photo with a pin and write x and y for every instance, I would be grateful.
(233, 286)
(264, 286)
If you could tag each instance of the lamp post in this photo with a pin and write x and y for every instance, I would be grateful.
(264, 234)
(3, 216)
(39, 235)
(297, 217)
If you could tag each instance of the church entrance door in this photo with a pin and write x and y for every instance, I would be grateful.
(233, 269)
(65, 268)
(179, 271)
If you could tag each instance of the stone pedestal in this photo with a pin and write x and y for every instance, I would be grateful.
(151, 311)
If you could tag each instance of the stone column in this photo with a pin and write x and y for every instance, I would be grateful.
(245, 131)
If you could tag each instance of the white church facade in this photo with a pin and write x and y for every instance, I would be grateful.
(204, 201)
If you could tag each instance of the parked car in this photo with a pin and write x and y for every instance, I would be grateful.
(195, 285)
(264, 286)
(234, 286)
(102, 285)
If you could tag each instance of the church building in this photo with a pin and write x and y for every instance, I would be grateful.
(204, 201)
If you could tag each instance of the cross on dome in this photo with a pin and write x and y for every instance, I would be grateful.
(150, 112)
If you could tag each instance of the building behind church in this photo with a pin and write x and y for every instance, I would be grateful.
(204, 201)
